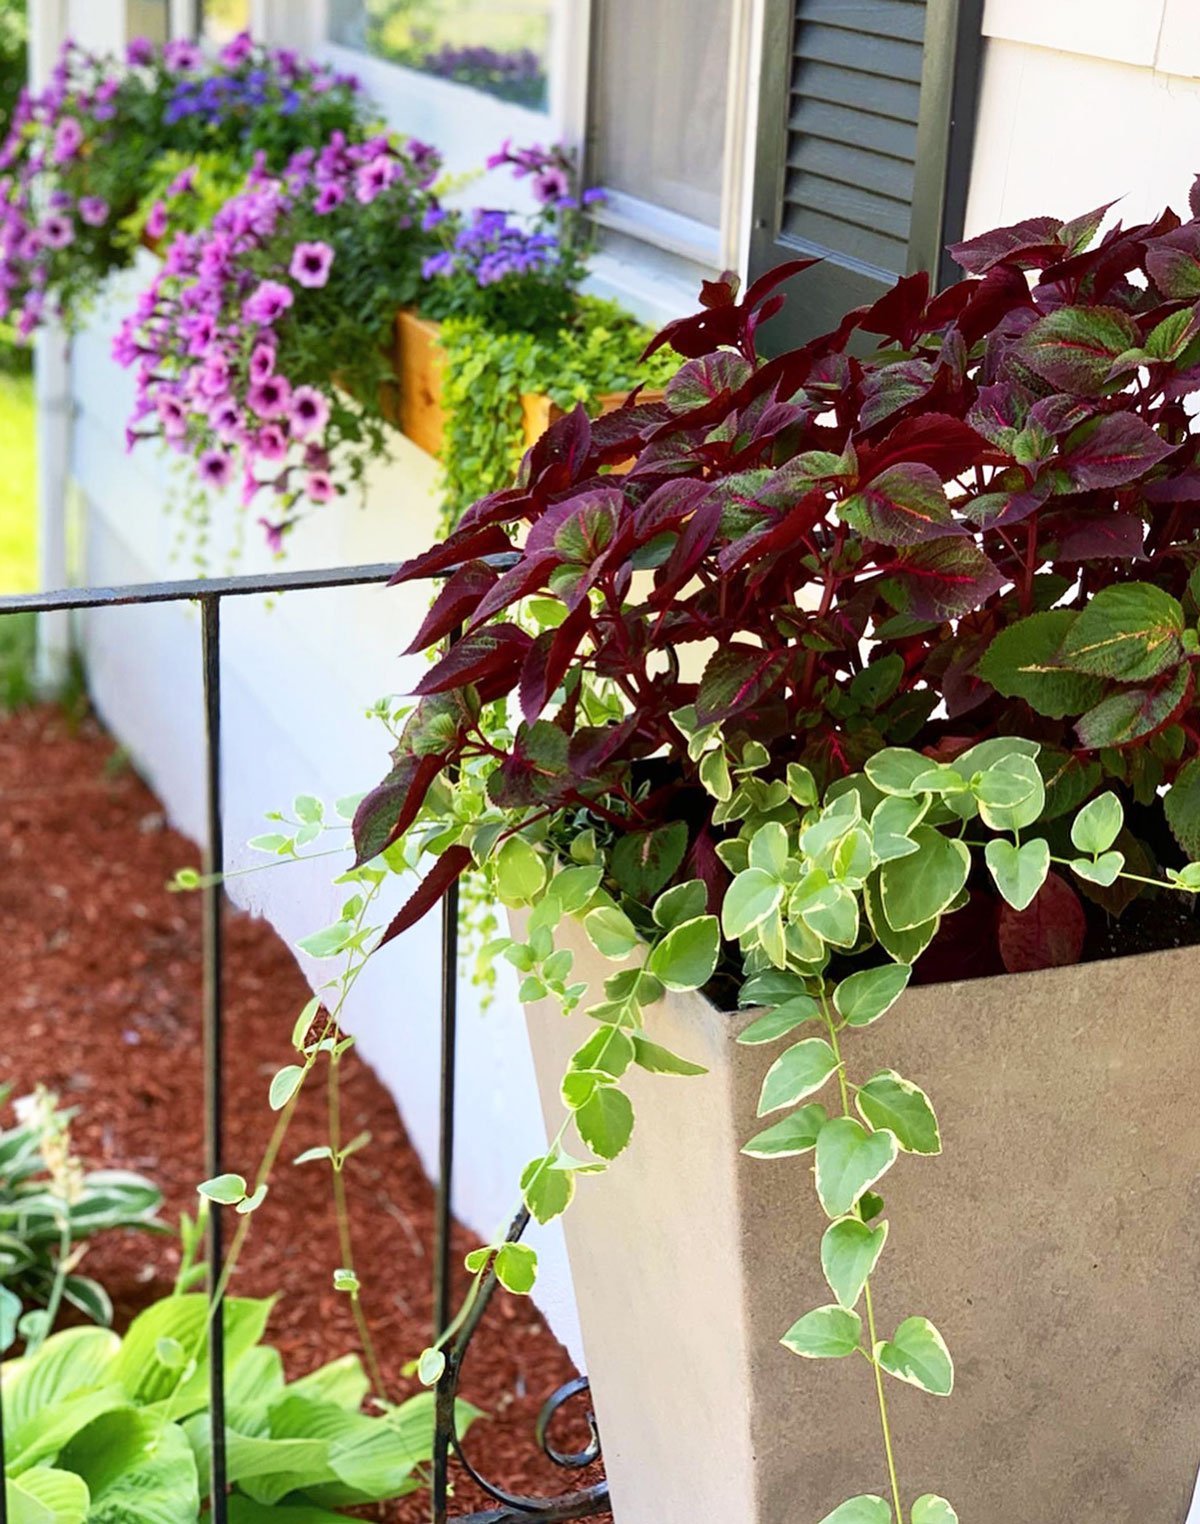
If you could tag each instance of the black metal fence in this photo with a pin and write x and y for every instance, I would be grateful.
(511, 1508)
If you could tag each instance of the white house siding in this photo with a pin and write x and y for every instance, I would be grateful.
(1083, 101)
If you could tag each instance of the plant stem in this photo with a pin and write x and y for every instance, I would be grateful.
(54, 1301)
(881, 1397)
(342, 1215)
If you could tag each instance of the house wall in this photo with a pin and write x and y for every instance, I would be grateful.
(1083, 101)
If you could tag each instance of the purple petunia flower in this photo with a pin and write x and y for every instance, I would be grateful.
(68, 140)
(139, 52)
(181, 56)
(93, 210)
(262, 361)
(272, 397)
(215, 468)
(271, 443)
(156, 222)
(329, 197)
(311, 264)
(310, 412)
(375, 177)
(268, 303)
(172, 415)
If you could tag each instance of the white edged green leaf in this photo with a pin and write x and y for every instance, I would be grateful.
(1019, 872)
(866, 996)
(794, 1135)
(785, 1018)
(1103, 870)
(890, 1101)
(931, 1509)
(850, 1160)
(867, 1509)
(917, 1353)
(799, 1071)
(849, 1252)
(1098, 824)
(826, 1333)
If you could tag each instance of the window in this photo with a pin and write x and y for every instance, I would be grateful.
(502, 47)
(864, 141)
(658, 113)
(221, 20)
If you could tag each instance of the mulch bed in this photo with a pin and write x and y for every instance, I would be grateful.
(102, 987)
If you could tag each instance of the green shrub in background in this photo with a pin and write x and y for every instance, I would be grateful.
(14, 57)
(489, 370)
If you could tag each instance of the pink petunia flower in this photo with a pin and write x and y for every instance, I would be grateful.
(262, 361)
(311, 263)
(267, 303)
(93, 210)
(319, 486)
(310, 412)
(68, 140)
(271, 443)
(57, 231)
(374, 178)
(156, 222)
(328, 197)
(271, 397)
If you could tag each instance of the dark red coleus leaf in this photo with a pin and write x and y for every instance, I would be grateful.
(448, 868)
(1048, 933)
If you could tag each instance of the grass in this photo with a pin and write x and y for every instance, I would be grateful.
(18, 517)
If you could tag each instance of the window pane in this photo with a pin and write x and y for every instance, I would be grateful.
(223, 19)
(501, 46)
(660, 88)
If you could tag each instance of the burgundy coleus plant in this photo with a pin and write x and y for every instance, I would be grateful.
(988, 524)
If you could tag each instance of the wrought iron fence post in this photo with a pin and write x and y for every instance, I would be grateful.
(213, 958)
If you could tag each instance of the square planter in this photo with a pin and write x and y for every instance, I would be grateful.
(421, 372)
(1053, 1243)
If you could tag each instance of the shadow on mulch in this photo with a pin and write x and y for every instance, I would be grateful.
(102, 984)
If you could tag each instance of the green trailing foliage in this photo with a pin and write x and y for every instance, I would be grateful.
(489, 369)
(100, 1429)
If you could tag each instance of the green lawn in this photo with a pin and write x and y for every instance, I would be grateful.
(18, 550)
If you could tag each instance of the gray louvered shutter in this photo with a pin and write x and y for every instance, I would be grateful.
(864, 138)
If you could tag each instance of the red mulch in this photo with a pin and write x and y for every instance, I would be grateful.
(102, 980)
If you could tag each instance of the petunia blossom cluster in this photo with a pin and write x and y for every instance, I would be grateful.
(81, 154)
(259, 349)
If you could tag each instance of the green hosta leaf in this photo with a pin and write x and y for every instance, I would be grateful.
(849, 1252)
(47, 1496)
(184, 1319)
(686, 958)
(680, 903)
(10, 1312)
(798, 1071)
(826, 1333)
(643, 862)
(516, 1268)
(868, 1509)
(1098, 824)
(1019, 871)
(520, 871)
(783, 1019)
(933, 1510)
(866, 996)
(611, 932)
(889, 1101)
(850, 1160)
(796, 1134)
(243, 1510)
(135, 1467)
(1129, 630)
(1012, 794)
(285, 1085)
(547, 1192)
(894, 770)
(919, 888)
(1103, 870)
(1182, 807)
(658, 1060)
(1074, 347)
(1024, 661)
(749, 900)
(917, 1353)
(605, 1122)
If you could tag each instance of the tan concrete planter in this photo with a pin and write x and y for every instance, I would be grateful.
(1055, 1244)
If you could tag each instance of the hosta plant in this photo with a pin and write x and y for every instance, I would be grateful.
(50, 1208)
(80, 155)
(98, 1427)
(873, 667)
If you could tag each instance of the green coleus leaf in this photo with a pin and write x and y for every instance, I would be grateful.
(1130, 631)
(903, 505)
(849, 1161)
(849, 1252)
(826, 1333)
(942, 579)
(1019, 872)
(890, 1101)
(1074, 347)
(1131, 713)
(642, 862)
(1182, 807)
(917, 1353)
(1025, 661)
